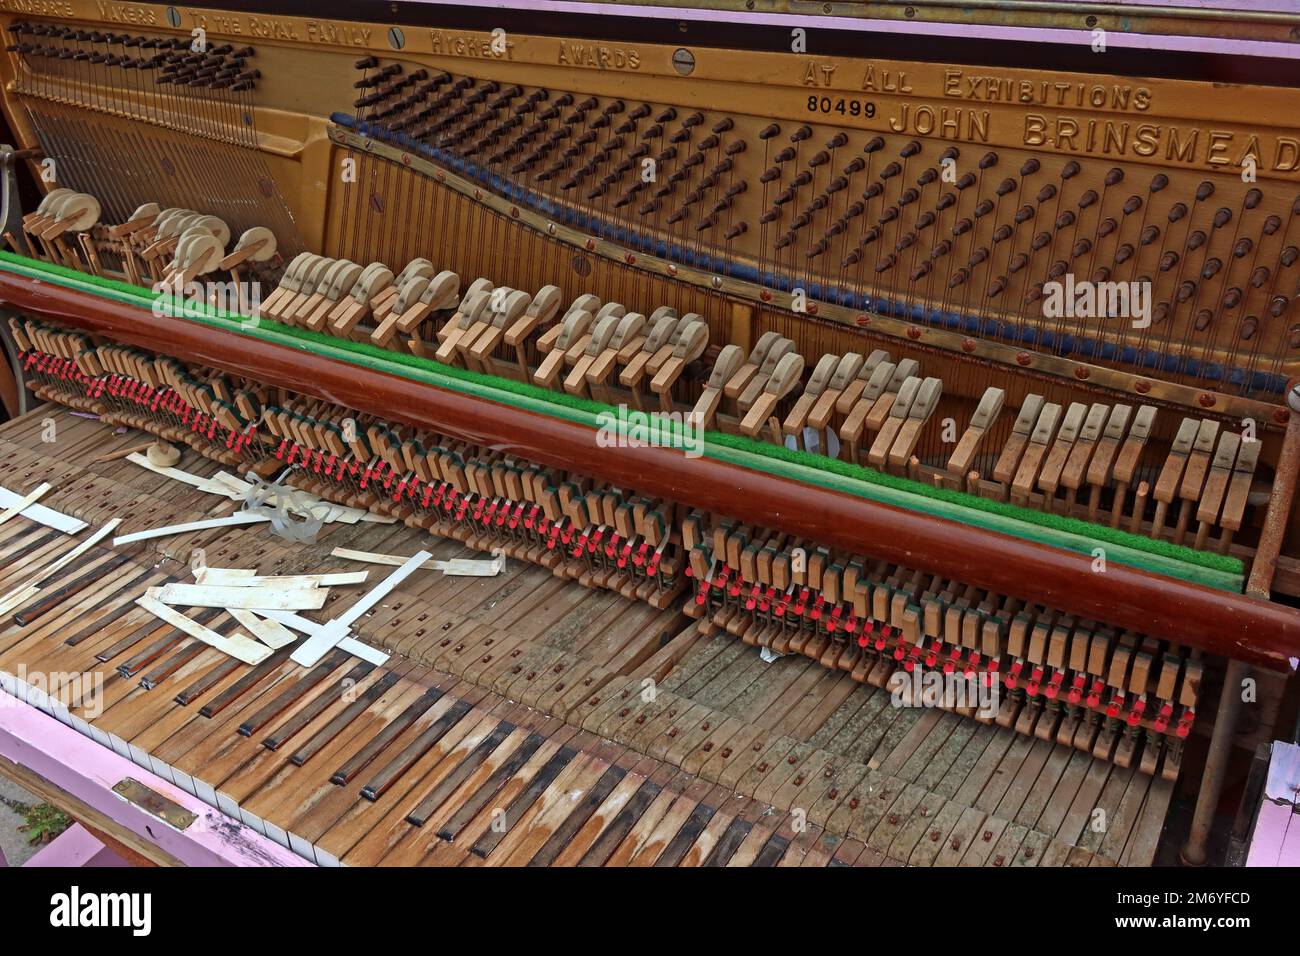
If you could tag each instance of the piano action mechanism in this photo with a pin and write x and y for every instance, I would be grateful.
(907, 361)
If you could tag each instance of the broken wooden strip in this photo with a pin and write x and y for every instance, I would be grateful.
(18, 507)
(238, 646)
(236, 577)
(46, 516)
(238, 518)
(456, 567)
(280, 599)
(271, 633)
(23, 592)
(350, 645)
(334, 631)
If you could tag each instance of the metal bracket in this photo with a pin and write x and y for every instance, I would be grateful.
(153, 802)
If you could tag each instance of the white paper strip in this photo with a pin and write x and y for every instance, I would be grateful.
(46, 516)
(238, 518)
(203, 595)
(456, 567)
(236, 577)
(238, 646)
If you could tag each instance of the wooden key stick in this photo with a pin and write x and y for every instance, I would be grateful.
(823, 410)
(1004, 471)
(575, 383)
(1076, 465)
(383, 301)
(986, 413)
(355, 306)
(757, 356)
(817, 382)
(554, 343)
(1193, 481)
(878, 454)
(1216, 485)
(1050, 477)
(505, 306)
(1126, 462)
(782, 381)
(473, 307)
(313, 277)
(333, 287)
(730, 359)
(1171, 473)
(657, 340)
(922, 408)
(1234, 504)
(537, 311)
(691, 340)
(779, 350)
(627, 335)
(1035, 452)
(850, 433)
(289, 285)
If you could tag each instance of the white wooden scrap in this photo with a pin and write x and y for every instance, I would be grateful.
(332, 632)
(43, 515)
(31, 586)
(238, 646)
(270, 598)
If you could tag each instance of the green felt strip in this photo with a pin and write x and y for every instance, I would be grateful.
(1070, 534)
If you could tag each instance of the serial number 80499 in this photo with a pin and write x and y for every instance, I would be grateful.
(828, 104)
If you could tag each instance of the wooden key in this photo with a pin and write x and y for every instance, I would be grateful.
(922, 408)
(794, 423)
(555, 342)
(626, 333)
(757, 356)
(1080, 457)
(1193, 481)
(289, 285)
(383, 301)
(1216, 485)
(1050, 477)
(900, 407)
(333, 287)
(1237, 495)
(689, 343)
(1126, 462)
(730, 360)
(476, 304)
(1008, 463)
(986, 413)
(1035, 452)
(1171, 474)
(658, 342)
(780, 383)
(356, 305)
(575, 383)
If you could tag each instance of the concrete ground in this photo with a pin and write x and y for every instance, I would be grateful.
(12, 842)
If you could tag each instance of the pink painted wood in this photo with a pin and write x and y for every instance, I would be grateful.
(76, 847)
(88, 771)
(1276, 840)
